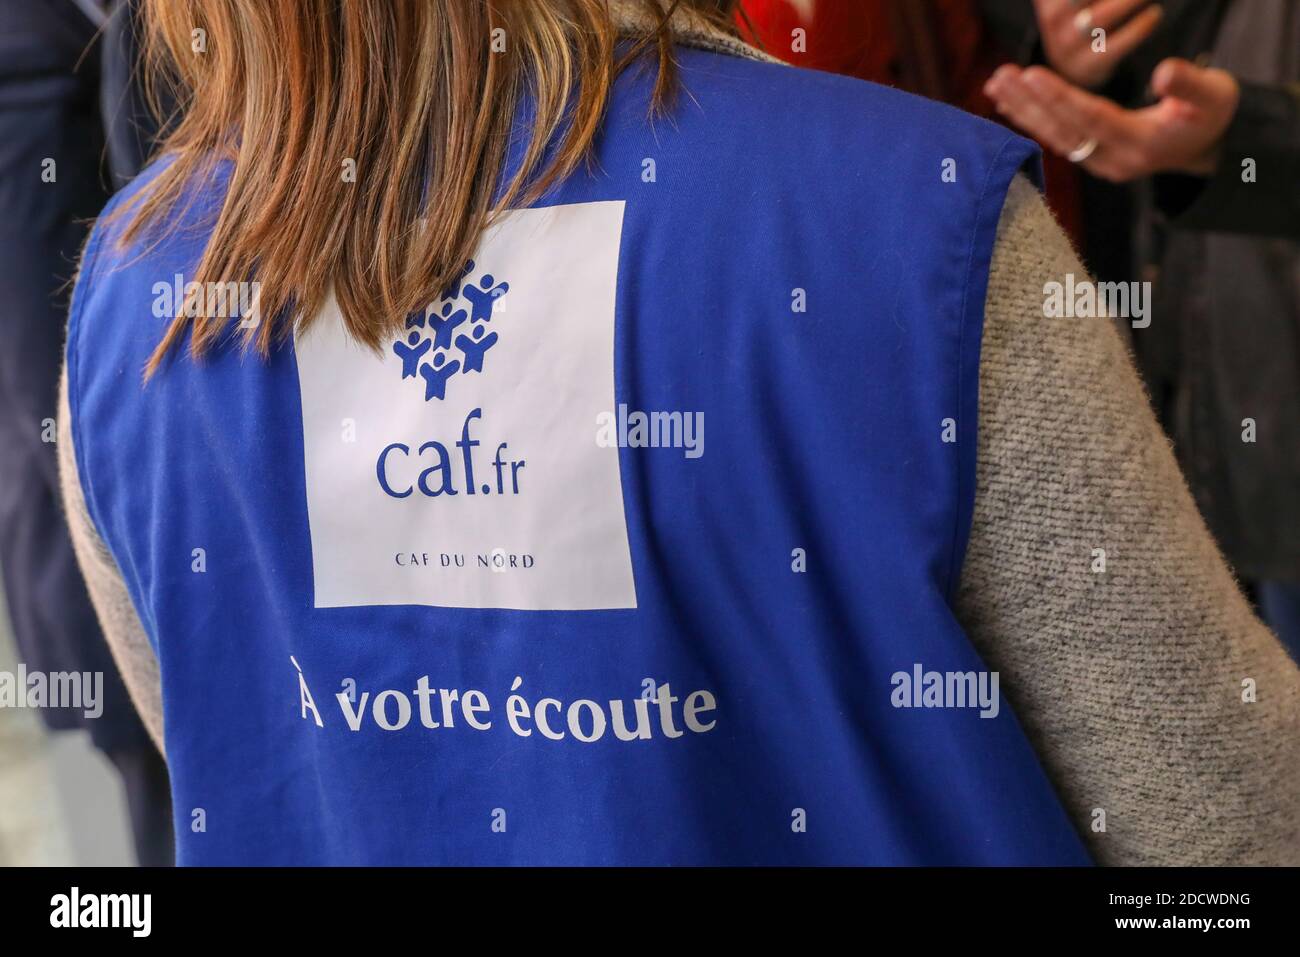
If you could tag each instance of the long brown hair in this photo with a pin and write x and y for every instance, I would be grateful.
(416, 97)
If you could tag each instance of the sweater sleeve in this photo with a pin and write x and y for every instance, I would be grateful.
(117, 615)
(1161, 707)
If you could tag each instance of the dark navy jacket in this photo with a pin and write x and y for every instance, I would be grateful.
(51, 184)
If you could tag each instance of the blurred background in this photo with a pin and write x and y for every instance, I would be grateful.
(61, 802)
(1171, 139)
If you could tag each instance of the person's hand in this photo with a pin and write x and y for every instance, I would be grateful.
(1180, 133)
(1066, 28)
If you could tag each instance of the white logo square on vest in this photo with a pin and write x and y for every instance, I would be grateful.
(461, 468)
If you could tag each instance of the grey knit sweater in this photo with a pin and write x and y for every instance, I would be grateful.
(1166, 715)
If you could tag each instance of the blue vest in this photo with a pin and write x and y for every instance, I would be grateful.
(638, 547)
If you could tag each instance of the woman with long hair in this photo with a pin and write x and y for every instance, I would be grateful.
(546, 432)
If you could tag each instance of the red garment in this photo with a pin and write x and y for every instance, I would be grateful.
(858, 38)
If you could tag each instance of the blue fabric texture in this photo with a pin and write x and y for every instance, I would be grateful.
(793, 572)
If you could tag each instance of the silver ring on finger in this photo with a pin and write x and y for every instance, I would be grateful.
(1083, 150)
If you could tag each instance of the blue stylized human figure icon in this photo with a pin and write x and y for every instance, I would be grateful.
(483, 296)
(473, 349)
(436, 374)
(443, 326)
(411, 354)
(426, 346)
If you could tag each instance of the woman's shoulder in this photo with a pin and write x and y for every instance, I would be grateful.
(199, 198)
(118, 257)
(805, 100)
(123, 271)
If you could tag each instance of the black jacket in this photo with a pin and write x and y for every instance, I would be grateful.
(49, 110)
